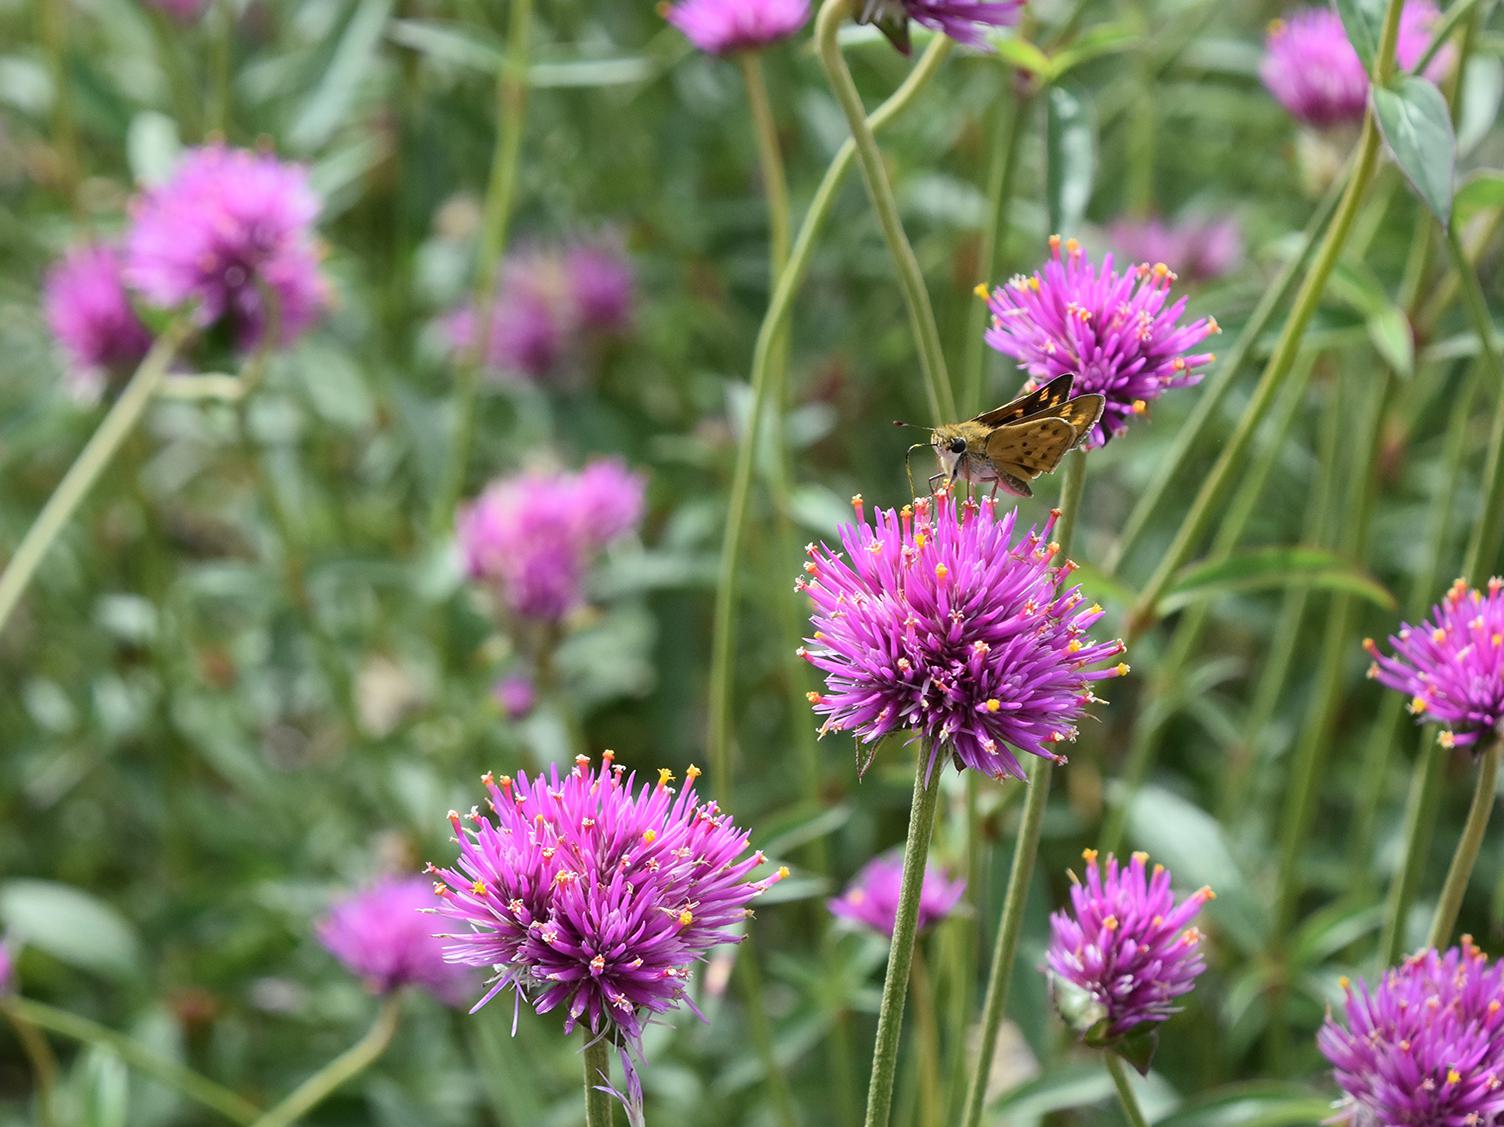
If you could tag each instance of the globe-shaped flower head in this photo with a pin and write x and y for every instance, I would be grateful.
(720, 27)
(1313, 70)
(596, 896)
(385, 938)
(231, 233)
(1426, 1048)
(1124, 951)
(1119, 333)
(1452, 667)
(965, 21)
(89, 313)
(871, 899)
(940, 622)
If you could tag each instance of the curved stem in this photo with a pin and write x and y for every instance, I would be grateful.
(1466, 855)
(198, 1088)
(765, 391)
(833, 13)
(511, 111)
(85, 471)
(343, 1068)
(905, 927)
(597, 1056)
(1126, 1099)
(39, 1056)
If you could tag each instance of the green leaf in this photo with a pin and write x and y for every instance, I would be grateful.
(1138, 1049)
(1099, 42)
(1481, 191)
(106, 1089)
(1260, 1104)
(463, 45)
(1070, 158)
(152, 146)
(1363, 21)
(1415, 121)
(353, 62)
(1059, 1089)
(1273, 567)
(71, 926)
(1389, 329)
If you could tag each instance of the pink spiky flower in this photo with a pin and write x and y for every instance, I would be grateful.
(383, 936)
(965, 21)
(1125, 951)
(871, 899)
(938, 621)
(720, 27)
(595, 896)
(1424, 1049)
(1451, 667)
(227, 230)
(88, 311)
(1313, 70)
(1119, 333)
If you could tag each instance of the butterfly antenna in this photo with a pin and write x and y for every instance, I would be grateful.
(908, 464)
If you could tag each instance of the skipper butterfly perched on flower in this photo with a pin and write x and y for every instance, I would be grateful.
(1012, 445)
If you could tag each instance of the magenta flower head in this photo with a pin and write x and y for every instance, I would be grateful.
(1124, 951)
(965, 21)
(87, 309)
(533, 536)
(1426, 1048)
(595, 896)
(720, 27)
(516, 695)
(229, 229)
(1119, 333)
(939, 621)
(1451, 667)
(872, 897)
(601, 285)
(1202, 248)
(383, 936)
(1313, 70)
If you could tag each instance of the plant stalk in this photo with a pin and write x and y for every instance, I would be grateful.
(1444, 920)
(597, 1054)
(342, 1069)
(1126, 1099)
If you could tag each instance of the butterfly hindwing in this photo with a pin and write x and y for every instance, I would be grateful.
(1033, 446)
(1083, 413)
(1044, 400)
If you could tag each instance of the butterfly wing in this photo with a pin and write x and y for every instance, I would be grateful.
(1083, 413)
(1020, 452)
(1045, 400)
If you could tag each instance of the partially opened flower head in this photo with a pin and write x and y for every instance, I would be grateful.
(384, 936)
(1426, 1047)
(1124, 951)
(1452, 666)
(1311, 67)
(594, 895)
(720, 27)
(1201, 248)
(965, 21)
(1120, 333)
(533, 536)
(939, 620)
(872, 897)
(90, 314)
(231, 233)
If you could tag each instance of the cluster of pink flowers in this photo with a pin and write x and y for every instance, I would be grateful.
(720, 27)
(382, 936)
(532, 537)
(593, 895)
(872, 897)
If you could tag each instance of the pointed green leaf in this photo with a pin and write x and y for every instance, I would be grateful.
(1363, 20)
(1070, 155)
(1138, 1049)
(1481, 191)
(1417, 125)
(1276, 567)
(70, 925)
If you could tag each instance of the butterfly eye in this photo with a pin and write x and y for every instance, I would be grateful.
(958, 446)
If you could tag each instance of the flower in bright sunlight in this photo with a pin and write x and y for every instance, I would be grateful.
(872, 897)
(940, 620)
(90, 315)
(383, 936)
(1452, 666)
(723, 26)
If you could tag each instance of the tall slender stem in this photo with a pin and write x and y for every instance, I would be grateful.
(85, 471)
(342, 1069)
(200, 1089)
(1466, 855)
(511, 113)
(1483, 546)
(905, 928)
(770, 159)
(39, 1056)
(51, 29)
(765, 390)
(1126, 1099)
(597, 1056)
(833, 13)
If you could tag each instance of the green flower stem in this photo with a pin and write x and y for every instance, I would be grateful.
(342, 1069)
(85, 471)
(1483, 547)
(1448, 23)
(185, 1081)
(1420, 814)
(39, 1056)
(905, 927)
(1444, 920)
(770, 159)
(598, 1104)
(511, 113)
(833, 13)
(1025, 849)
(1126, 1099)
(51, 30)
(765, 391)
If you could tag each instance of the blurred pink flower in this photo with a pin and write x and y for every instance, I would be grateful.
(384, 936)
(1197, 248)
(515, 694)
(89, 313)
(723, 26)
(872, 897)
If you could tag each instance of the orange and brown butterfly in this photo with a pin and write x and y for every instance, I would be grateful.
(1012, 445)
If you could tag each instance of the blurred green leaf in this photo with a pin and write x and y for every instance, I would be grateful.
(71, 926)
(463, 44)
(1094, 43)
(325, 109)
(106, 1091)
(152, 146)
(1415, 121)
(1363, 20)
(1270, 1104)
(1057, 1089)
(1274, 567)
(1070, 157)
(1480, 191)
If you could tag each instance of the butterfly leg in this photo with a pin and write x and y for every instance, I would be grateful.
(934, 478)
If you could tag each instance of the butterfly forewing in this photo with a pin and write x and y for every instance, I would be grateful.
(1045, 400)
(1034, 446)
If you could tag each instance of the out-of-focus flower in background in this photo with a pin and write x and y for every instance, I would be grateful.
(1200, 248)
(871, 899)
(515, 694)
(384, 936)
(965, 21)
(1118, 332)
(90, 315)
(720, 27)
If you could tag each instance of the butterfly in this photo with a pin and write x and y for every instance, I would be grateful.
(1012, 445)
